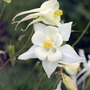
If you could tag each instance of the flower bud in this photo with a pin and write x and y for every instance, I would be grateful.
(69, 83)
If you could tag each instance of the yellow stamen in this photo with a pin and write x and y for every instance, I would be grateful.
(79, 69)
(47, 44)
(58, 13)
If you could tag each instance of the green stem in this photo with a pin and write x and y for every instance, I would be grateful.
(40, 81)
(42, 87)
(2, 10)
(5, 64)
(36, 81)
(30, 76)
(82, 34)
(58, 80)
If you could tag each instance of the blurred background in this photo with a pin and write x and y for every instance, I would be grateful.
(16, 73)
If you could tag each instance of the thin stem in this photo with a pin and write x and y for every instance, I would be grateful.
(5, 64)
(30, 76)
(36, 81)
(40, 80)
(42, 87)
(2, 10)
(58, 80)
(82, 34)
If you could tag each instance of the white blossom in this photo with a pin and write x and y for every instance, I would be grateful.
(47, 47)
(48, 13)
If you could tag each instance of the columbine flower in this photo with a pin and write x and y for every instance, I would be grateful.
(70, 68)
(85, 70)
(47, 47)
(48, 13)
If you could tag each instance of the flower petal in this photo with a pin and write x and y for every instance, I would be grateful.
(58, 40)
(83, 78)
(81, 53)
(29, 54)
(49, 67)
(65, 30)
(54, 55)
(69, 55)
(48, 6)
(26, 12)
(39, 26)
(38, 38)
(51, 31)
(41, 53)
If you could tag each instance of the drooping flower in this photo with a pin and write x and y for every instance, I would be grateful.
(85, 70)
(48, 13)
(47, 47)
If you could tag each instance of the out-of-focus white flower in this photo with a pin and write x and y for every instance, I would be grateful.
(48, 13)
(70, 68)
(59, 86)
(85, 70)
(47, 47)
(7, 1)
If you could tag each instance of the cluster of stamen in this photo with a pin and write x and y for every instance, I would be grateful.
(47, 44)
(58, 13)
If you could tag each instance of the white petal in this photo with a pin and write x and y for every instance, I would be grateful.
(49, 67)
(29, 54)
(89, 57)
(54, 55)
(41, 53)
(69, 55)
(81, 72)
(39, 26)
(65, 30)
(26, 12)
(48, 6)
(83, 78)
(51, 31)
(81, 53)
(58, 40)
(59, 86)
(38, 38)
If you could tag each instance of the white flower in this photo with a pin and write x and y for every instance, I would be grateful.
(47, 47)
(59, 86)
(48, 13)
(70, 68)
(85, 70)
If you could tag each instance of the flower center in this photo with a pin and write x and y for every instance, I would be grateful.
(58, 12)
(47, 44)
